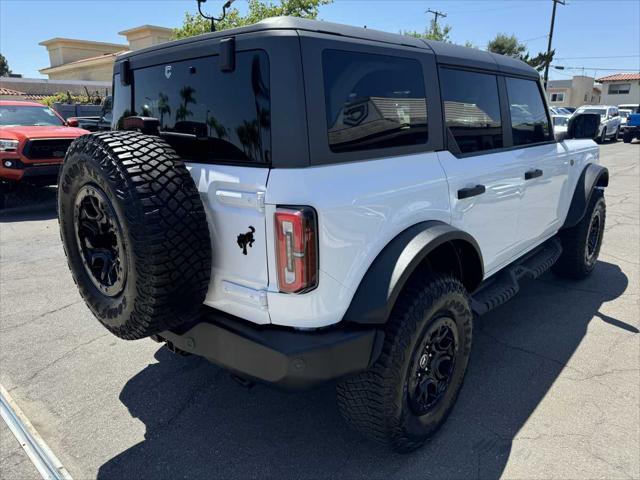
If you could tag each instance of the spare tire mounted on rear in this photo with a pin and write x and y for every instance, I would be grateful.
(135, 232)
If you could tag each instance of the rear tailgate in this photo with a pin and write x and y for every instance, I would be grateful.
(233, 197)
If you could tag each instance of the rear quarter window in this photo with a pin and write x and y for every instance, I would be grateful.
(209, 115)
(373, 101)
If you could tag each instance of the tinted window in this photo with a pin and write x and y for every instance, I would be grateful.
(121, 103)
(529, 121)
(472, 109)
(206, 114)
(373, 101)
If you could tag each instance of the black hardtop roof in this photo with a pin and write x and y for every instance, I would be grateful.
(446, 53)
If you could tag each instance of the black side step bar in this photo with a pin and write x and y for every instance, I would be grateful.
(502, 287)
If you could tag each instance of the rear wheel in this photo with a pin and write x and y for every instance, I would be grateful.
(409, 392)
(581, 243)
(134, 231)
(627, 137)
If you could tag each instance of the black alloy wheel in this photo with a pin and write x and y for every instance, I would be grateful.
(593, 238)
(100, 241)
(432, 366)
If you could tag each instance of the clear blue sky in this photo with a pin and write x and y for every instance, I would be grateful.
(601, 29)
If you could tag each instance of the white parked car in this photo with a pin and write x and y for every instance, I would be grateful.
(300, 201)
(610, 122)
(560, 123)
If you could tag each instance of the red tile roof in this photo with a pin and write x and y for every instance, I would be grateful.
(8, 91)
(620, 76)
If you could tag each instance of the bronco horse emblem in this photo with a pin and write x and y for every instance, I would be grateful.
(246, 239)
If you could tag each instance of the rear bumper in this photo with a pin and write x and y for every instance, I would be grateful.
(287, 358)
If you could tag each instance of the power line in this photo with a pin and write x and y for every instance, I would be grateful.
(607, 56)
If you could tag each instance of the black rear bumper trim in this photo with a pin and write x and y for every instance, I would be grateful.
(289, 359)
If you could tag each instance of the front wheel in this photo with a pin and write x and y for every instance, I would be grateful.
(581, 243)
(616, 137)
(603, 137)
(409, 392)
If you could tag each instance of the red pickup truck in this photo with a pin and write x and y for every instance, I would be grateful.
(33, 142)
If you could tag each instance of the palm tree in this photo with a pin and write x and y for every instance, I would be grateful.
(183, 111)
(221, 130)
(163, 107)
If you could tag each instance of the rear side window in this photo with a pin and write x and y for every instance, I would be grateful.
(206, 114)
(529, 121)
(373, 101)
(472, 109)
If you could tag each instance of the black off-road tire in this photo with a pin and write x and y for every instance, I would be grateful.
(165, 243)
(376, 402)
(627, 137)
(578, 260)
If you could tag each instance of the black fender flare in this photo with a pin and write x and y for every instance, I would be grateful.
(389, 272)
(592, 176)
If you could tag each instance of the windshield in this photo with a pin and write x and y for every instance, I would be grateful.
(560, 121)
(598, 111)
(11, 115)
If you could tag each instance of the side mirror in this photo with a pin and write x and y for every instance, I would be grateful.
(72, 122)
(583, 125)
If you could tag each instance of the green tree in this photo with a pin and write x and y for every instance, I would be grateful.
(4, 67)
(194, 24)
(510, 46)
(434, 32)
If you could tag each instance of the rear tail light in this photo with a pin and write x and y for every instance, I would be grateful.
(297, 249)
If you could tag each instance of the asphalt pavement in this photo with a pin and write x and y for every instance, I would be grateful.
(552, 390)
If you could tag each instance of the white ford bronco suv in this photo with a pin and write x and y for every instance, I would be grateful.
(300, 201)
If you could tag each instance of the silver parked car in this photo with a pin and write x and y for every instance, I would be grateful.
(609, 121)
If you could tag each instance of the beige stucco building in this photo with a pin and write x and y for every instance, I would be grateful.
(72, 59)
(621, 89)
(580, 90)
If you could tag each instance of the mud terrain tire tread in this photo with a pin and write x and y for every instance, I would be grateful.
(370, 401)
(571, 263)
(163, 220)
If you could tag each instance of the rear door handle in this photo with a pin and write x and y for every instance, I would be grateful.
(471, 191)
(528, 175)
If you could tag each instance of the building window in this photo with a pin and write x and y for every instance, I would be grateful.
(586, 97)
(619, 88)
(557, 97)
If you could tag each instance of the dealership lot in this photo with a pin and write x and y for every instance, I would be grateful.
(553, 388)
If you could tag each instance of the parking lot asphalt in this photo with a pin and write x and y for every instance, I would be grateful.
(552, 390)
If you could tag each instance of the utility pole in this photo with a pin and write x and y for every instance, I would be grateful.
(553, 20)
(436, 14)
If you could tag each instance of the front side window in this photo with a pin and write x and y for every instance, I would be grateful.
(619, 88)
(18, 115)
(472, 109)
(373, 101)
(206, 114)
(529, 121)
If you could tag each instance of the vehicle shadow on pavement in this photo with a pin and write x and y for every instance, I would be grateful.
(201, 424)
(28, 203)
